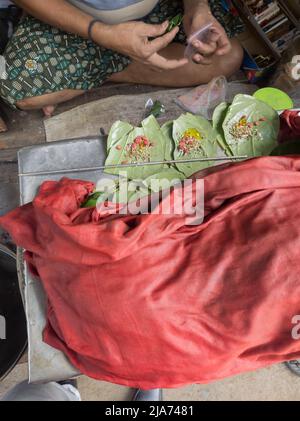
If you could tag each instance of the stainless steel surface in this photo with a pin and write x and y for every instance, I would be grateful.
(46, 363)
(134, 165)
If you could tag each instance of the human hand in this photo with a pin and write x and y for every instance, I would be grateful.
(218, 44)
(142, 42)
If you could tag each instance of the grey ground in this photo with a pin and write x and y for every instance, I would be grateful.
(275, 383)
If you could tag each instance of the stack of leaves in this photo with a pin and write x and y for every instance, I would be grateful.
(188, 137)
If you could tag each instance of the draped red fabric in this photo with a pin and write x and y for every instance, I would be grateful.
(148, 301)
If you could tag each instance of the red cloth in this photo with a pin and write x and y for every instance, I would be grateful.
(147, 301)
(289, 126)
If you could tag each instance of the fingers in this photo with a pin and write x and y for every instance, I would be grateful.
(214, 35)
(161, 63)
(200, 59)
(225, 49)
(223, 45)
(204, 49)
(217, 43)
(207, 47)
(163, 41)
(154, 31)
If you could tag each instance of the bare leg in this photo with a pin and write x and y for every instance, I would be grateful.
(49, 101)
(190, 75)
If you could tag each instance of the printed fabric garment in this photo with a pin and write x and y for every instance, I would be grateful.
(41, 59)
(148, 301)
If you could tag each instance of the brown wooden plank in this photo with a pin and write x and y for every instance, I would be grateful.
(9, 155)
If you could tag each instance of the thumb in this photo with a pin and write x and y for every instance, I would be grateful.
(153, 31)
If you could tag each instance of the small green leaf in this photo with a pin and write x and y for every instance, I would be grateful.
(157, 109)
(175, 21)
(92, 200)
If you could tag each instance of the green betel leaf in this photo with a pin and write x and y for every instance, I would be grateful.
(141, 144)
(154, 133)
(118, 133)
(251, 127)
(175, 21)
(92, 200)
(194, 137)
(104, 192)
(164, 179)
(219, 116)
(167, 130)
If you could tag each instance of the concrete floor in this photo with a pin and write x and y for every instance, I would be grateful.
(274, 383)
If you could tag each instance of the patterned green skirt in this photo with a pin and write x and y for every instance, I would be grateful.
(41, 59)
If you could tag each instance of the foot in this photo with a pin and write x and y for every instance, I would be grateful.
(148, 395)
(49, 110)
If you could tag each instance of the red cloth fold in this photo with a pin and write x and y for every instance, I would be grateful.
(147, 301)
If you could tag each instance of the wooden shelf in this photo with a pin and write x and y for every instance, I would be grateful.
(246, 14)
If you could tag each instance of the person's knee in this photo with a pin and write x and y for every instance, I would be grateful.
(234, 59)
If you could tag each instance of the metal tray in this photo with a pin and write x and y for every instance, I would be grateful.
(46, 363)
